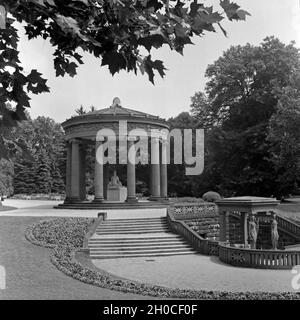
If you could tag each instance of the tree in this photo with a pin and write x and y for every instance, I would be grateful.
(6, 177)
(43, 176)
(43, 136)
(243, 92)
(284, 135)
(57, 185)
(179, 183)
(25, 177)
(112, 30)
(80, 111)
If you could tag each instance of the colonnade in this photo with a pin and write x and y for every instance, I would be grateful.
(76, 166)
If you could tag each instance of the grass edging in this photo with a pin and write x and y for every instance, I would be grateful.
(63, 257)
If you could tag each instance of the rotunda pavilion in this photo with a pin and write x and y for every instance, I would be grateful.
(82, 130)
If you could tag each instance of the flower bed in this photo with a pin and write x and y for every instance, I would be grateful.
(66, 235)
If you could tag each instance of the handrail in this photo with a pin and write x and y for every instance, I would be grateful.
(289, 226)
(200, 244)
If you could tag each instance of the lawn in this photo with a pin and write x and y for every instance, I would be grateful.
(30, 274)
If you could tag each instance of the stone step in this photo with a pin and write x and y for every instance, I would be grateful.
(138, 250)
(136, 238)
(131, 232)
(147, 250)
(139, 255)
(139, 246)
(101, 239)
(133, 227)
(113, 205)
(137, 225)
(145, 225)
(135, 243)
(137, 220)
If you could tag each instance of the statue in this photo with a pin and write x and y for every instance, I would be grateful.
(274, 232)
(115, 190)
(253, 231)
(116, 102)
(114, 181)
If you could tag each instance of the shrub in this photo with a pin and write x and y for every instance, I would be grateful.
(186, 199)
(211, 196)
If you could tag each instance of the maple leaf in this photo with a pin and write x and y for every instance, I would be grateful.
(71, 69)
(233, 10)
(68, 24)
(154, 40)
(149, 65)
(114, 60)
(242, 14)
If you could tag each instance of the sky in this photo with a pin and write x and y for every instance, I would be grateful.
(93, 84)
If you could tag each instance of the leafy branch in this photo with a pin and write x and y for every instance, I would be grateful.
(112, 30)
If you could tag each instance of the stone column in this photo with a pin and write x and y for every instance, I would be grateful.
(244, 227)
(82, 172)
(163, 171)
(224, 225)
(99, 195)
(75, 169)
(68, 172)
(155, 169)
(131, 195)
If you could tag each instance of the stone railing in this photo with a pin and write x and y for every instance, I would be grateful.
(200, 244)
(242, 257)
(183, 211)
(289, 226)
(102, 216)
(262, 259)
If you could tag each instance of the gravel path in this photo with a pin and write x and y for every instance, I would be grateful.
(30, 274)
(44, 208)
(197, 271)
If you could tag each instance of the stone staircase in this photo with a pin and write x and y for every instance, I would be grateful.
(146, 237)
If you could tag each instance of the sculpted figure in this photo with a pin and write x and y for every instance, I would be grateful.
(114, 181)
(253, 231)
(274, 232)
(116, 102)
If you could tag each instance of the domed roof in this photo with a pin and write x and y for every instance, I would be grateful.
(117, 110)
(107, 117)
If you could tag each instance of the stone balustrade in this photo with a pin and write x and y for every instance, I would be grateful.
(263, 259)
(202, 245)
(289, 226)
(183, 211)
(233, 255)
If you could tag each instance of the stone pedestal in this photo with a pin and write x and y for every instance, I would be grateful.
(117, 194)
